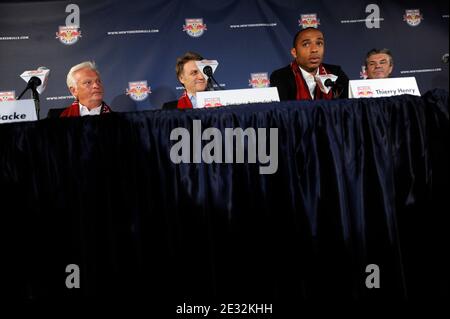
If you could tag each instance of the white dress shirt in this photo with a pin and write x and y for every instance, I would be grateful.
(85, 111)
(310, 81)
(193, 99)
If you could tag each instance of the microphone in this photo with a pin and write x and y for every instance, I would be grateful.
(329, 83)
(326, 82)
(208, 67)
(37, 82)
(42, 73)
(207, 70)
(334, 85)
(32, 84)
(444, 58)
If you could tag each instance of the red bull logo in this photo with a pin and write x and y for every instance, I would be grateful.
(363, 73)
(7, 96)
(259, 80)
(413, 17)
(194, 27)
(309, 20)
(364, 91)
(68, 35)
(138, 91)
(212, 102)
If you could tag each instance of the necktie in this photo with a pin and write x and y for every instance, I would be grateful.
(194, 101)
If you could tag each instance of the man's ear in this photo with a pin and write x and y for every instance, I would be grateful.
(391, 68)
(294, 53)
(73, 91)
(181, 79)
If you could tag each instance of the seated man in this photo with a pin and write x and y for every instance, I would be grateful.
(83, 81)
(379, 63)
(191, 78)
(297, 80)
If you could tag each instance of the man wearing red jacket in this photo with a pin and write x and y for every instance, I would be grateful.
(83, 81)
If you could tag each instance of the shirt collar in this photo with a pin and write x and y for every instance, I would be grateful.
(307, 75)
(85, 111)
(310, 80)
(193, 99)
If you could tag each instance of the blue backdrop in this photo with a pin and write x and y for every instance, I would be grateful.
(139, 40)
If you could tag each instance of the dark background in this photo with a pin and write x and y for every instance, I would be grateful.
(240, 51)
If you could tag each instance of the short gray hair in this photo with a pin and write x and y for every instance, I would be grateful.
(83, 65)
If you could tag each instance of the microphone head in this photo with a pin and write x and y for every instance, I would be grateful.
(208, 70)
(328, 83)
(34, 82)
(444, 58)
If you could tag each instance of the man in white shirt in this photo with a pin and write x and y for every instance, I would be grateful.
(297, 81)
(83, 81)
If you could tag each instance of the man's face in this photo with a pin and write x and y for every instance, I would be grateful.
(309, 49)
(192, 78)
(89, 88)
(378, 66)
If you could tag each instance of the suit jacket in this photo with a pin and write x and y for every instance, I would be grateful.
(284, 80)
(171, 105)
(55, 113)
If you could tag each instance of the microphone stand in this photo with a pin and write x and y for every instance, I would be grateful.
(218, 85)
(207, 70)
(37, 103)
(209, 85)
(32, 86)
(23, 92)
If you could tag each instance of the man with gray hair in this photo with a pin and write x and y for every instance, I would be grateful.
(379, 63)
(83, 81)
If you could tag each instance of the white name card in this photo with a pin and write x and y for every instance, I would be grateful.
(242, 96)
(382, 87)
(17, 111)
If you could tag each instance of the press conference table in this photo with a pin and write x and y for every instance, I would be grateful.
(359, 182)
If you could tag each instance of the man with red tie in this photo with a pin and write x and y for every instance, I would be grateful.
(192, 79)
(83, 81)
(297, 81)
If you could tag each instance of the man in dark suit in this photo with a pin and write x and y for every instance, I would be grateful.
(298, 81)
(379, 63)
(191, 78)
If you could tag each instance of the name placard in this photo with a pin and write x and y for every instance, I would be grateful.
(382, 87)
(17, 111)
(241, 96)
